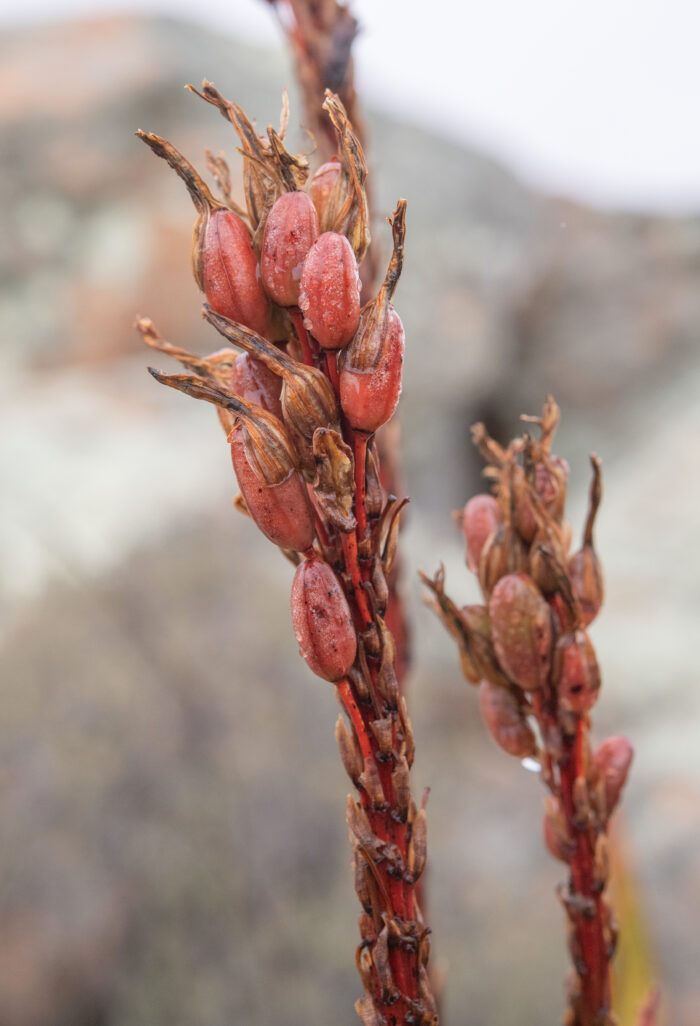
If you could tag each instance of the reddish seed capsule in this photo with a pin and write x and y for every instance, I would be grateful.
(481, 516)
(576, 674)
(330, 291)
(586, 577)
(322, 621)
(257, 383)
(369, 397)
(327, 194)
(223, 260)
(372, 364)
(282, 511)
(290, 232)
(229, 271)
(521, 626)
(613, 759)
(505, 720)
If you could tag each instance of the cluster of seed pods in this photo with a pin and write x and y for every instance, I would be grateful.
(527, 649)
(314, 377)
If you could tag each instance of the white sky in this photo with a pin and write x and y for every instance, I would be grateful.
(598, 99)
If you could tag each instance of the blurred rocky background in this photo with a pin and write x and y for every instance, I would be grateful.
(173, 846)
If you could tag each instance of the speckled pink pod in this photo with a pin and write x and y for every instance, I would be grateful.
(613, 759)
(290, 231)
(283, 511)
(521, 627)
(230, 273)
(479, 521)
(504, 719)
(321, 187)
(329, 296)
(322, 621)
(369, 397)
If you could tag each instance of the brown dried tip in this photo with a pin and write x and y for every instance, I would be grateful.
(450, 616)
(352, 219)
(547, 423)
(308, 399)
(269, 168)
(269, 446)
(216, 367)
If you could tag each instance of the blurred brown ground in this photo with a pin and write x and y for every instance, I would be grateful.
(173, 848)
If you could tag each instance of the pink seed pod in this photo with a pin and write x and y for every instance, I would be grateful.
(327, 193)
(229, 271)
(223, 259)
(613, 759)
(282, 511)
(505, 719)
(481, 518)
(369, 397)
(254, 381)
(322, 621)
(521, 625)
(329, 296)
(575, 674)
(586, 575)
(372, 364)
(290, 231)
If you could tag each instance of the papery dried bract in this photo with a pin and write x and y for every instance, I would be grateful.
(308, 399)
(349, 195)
(334, 484)
(269, 170)
(265, 464)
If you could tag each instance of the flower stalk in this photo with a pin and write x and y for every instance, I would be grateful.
(528, 651)
(307, 467)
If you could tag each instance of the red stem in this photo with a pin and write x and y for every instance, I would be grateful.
(332, 369)
(302, 334)
(349, 542)
(398, 892)
(360, 441)
(595, 981)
